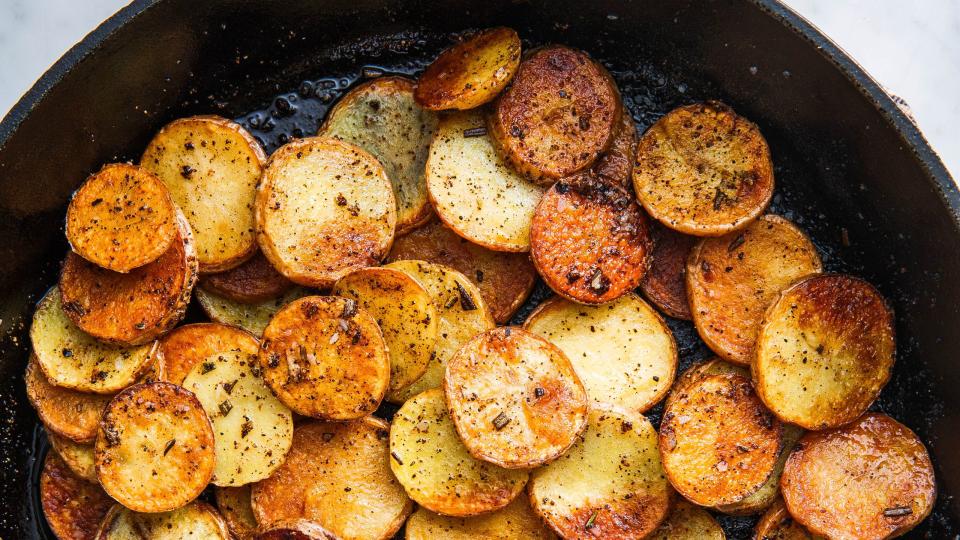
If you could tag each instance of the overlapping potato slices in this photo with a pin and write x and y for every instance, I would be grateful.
(689, 522)
(253, 318)
(77, 456)
(516, 521)
(254, 281)
(191, 344)
(297, 529)
(665, 283)
(616, 164)
(73, 506)
(764, 497)
(195, 520)
(778, 524)
(235, 506)
(71, 414)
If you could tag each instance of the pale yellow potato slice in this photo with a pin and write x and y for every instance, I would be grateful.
(234, 505)
(196, 520)
(77, 456)
(251, 317)
(516, 521)
(689, 522)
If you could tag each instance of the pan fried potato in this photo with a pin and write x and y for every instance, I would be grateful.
(462, 314)
(155, 448)
(474, 191)
(694, 373)
(68, 413)
(211, 166)
(869, 479)
(406, 314)
(731, 280)
(234, 505)
(434, 467)
(622, 351)
(72, 359)
(516, 521)
(616, 164)
(717, 441)
(777, 524)
(609, 485)
(665, 283)
(250, 317)
(72, 505)
(195, 520)
(825, 350)
(325, 357)
(252, 429)
(77, 456)
(324, 208)
(760, 500)
(689, 522)
(298, 529)
(514, 398)
(557, 117)
(121, 218)
(590, 240)
(703, 170)
(505, 280)
(254, 281)
(338, 475)
(382, 117)
(470, 73)
(191, 344)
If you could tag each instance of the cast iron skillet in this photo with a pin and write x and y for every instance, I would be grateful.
(851, 168)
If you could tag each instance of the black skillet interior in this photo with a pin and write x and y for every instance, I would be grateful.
(850, 171)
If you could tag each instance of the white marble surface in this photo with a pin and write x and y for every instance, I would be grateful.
(911, 46)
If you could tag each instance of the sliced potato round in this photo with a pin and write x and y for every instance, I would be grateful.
(665, 283)
(703, 170)
(869, 479)
(252, 429)
(72, 505)
(471, 72)
(474, 191)
(324, 357)
(590, 240)
(191, 344)
(251, 317)
(211, 167)
(623, 352)
(515, 398)
(382, 117)
(731, 280)
(777, 524)
(760, 500)
(824, 352)
(689, 522)
(406, 314)
(616, 164)
(712, 366)
(462, 314)
(155, 448)
(324, 208)
(77, 456)
(434, 467)
(558, 116)
(338, 475)
(609, 485)
(195, 520)
(234, 505)
(69, 413)
(121, 218)
(254, 281)
(516, 521)
(297, 529)
(505, 280)
(717, 441)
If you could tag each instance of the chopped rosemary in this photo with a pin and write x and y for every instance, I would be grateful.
(590, 522)
(225, 408)
(501, 421)
(466, 303)
(475, 132)
(898, 511)
(169, 446)
(396, 457)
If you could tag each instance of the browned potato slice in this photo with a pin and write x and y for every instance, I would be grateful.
(760, 500)
(211, 166)
(471, 72)
(609, 485)
(825, 351)
(622, 351)
(717, 441)
(703, 170)
(251, 317)
(665, 283)
(324, 208)
(516, 521)
(694, 373)
(324, 357)
(514, 398)
(406, 314)
(504, 279)
(297, 529)
(689, 522)
(234, 505)
(475, 192)
(77, 456)
(121, 218)
(434, 467)
(69, 413)
(777, 524)
(196, 520)
(381, 117)
(558, 116)
(731, 280)
(155, 448)
(870, 479)
(190, 344)
(590, 240)
(256, 280)
(73, 506)
(616, 164)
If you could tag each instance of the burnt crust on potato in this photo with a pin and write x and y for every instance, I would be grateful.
(256, 280)
(73, 506)
(616, 164)
(665, 283)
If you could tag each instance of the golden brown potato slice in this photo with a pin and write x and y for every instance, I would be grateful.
(590, 240)
(297, 529)
(406, 314)
(688, 522)
(616, 164)
(476, 193)
(69, 413)
(504, 279)
(434, 467)
(609, 485)
(325, 357)
(558, 116)
(516, 521)
(77, 456)
(731, 280)
(665, 283)
(825, 350)
(515, 398)
(462, 314)
(254, 281)
(250, 317)
(717, 441)
(155, 448)
(121, 218)
(324, 208)
(195, 520)
(382, 117)
(191, 344)
(712, 366)
(471, 72)
(211, 166)
(72, 505)
(869, 479)
(777, 524)
(703, 170)
(234, 505)
(760, 500)
(622, 351)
